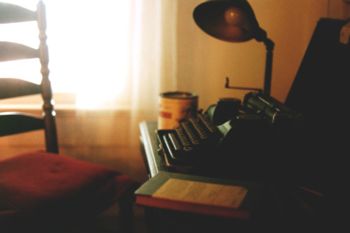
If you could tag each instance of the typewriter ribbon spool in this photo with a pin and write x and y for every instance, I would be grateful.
(174, 107)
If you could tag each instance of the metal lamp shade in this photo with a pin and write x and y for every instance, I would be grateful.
(228, 20)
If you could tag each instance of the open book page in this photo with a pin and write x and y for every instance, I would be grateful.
(230, 196)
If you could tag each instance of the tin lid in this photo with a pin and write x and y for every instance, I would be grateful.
(178, 95)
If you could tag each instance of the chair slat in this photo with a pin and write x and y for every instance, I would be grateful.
(12, 14)
(13, 51)
(10, 87)
(13, 123)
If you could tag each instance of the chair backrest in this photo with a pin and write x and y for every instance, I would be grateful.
(10, 87)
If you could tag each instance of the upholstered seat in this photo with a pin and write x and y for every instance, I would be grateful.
(47, 187)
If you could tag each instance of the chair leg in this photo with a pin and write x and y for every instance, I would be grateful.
(126, 205)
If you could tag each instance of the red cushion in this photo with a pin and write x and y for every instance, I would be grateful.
(45, 184)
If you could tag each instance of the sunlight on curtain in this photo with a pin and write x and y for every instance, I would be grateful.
(89, 45)
(154, 52)
(116, 56)
(107, 52)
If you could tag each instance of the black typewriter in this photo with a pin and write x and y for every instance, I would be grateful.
(226, 130)
(187, 143)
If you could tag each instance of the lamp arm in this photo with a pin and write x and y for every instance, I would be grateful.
(228, 86)
(269, 45)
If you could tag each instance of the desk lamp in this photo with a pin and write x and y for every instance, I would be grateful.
(235, 21)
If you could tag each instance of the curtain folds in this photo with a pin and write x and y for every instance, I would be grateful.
(109, 53)
(153, 66)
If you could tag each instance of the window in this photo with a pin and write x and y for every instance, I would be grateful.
(89, 47)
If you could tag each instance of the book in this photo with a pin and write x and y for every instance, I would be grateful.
(199, 195)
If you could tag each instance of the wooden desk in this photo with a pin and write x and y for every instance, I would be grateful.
(281, 212)
(172, 221)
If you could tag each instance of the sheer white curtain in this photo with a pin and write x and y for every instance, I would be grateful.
(115, 57)
(109, 53)
(117, 51)
(153, 59)
(154, 63)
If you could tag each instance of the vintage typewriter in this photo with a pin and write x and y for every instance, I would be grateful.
(227, 129)
(185, 144)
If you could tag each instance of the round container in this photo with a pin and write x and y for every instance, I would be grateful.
(174, 107)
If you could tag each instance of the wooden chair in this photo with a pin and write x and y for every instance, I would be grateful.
(42, 191)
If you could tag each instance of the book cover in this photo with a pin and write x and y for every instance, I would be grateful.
(200, 195)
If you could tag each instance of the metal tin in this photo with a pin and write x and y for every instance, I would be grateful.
(174, 107)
